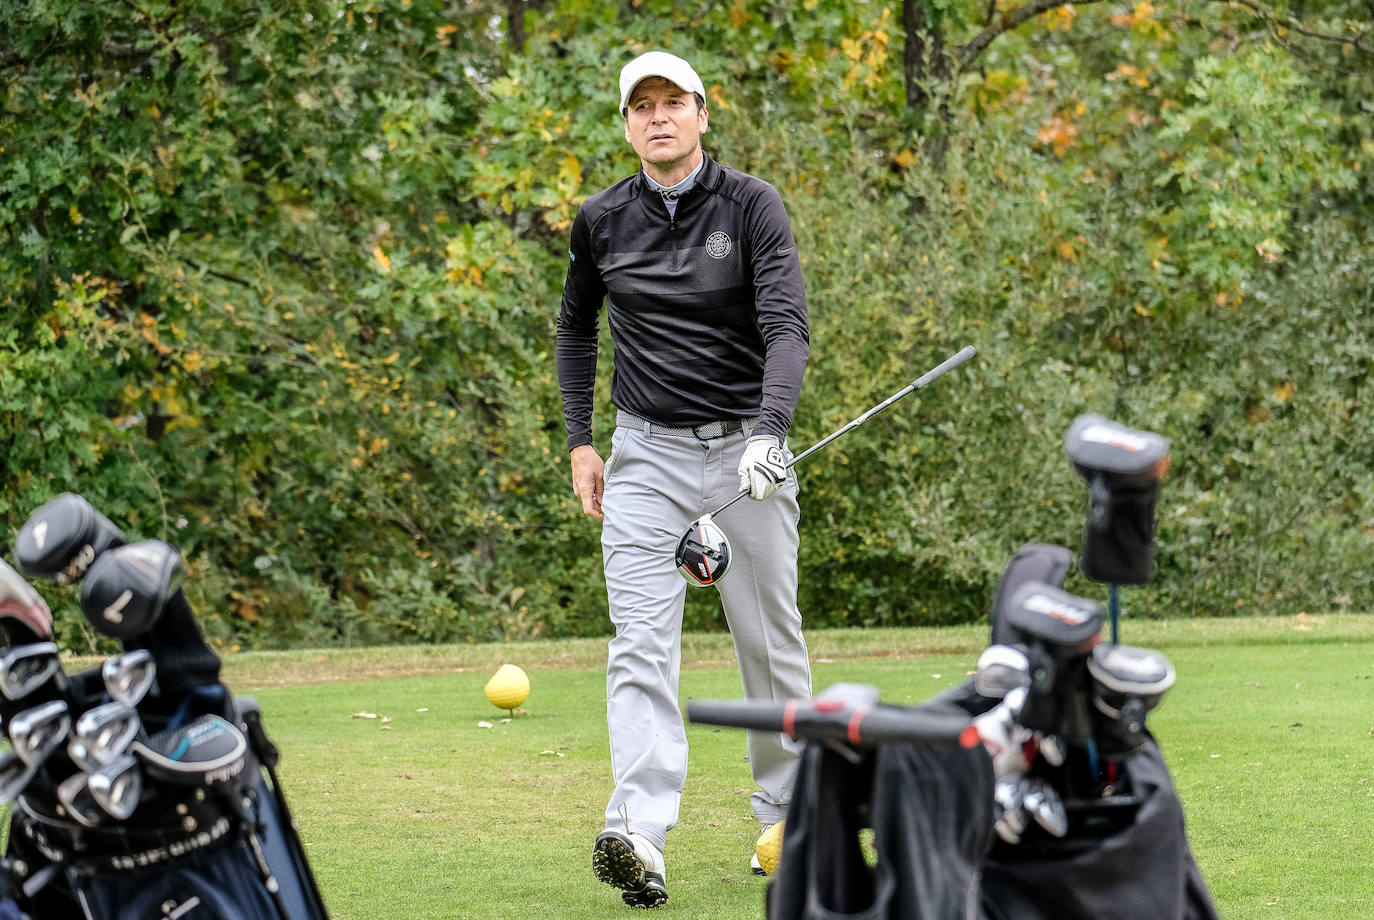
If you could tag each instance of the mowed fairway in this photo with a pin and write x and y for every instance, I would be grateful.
(423, 813)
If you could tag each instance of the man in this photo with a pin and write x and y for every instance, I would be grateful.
(707, 313)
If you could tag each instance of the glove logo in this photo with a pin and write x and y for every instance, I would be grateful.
(718, 245)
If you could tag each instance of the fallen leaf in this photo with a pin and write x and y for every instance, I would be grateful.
(484, 725)
(364, 715)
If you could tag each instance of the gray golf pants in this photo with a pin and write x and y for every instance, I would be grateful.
(655, 486)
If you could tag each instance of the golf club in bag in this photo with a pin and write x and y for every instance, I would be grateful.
(153, 793)
(1066, 811)
(703, 552)
(1121, 850)
(1122, 468)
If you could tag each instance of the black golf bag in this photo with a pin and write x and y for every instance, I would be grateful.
(930, 809)
(183, 815)
(1125, 853)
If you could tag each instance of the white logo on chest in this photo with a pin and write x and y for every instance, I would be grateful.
(718, 245)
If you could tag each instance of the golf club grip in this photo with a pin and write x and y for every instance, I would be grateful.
(863, 725)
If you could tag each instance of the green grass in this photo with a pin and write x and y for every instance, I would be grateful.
(428, 815)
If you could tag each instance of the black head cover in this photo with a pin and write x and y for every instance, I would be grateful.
(62, 538)
(1127, 683)
(1122, 467)
(206, 752)
(126, 588)
(1042, 562)
(1055, 617)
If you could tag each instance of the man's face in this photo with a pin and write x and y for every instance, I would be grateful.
(664, 125)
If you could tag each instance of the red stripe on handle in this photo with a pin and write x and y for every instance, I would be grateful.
(789, 719)
(854, 721)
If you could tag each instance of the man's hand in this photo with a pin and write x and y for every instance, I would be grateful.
(762, 469)
(588, 479)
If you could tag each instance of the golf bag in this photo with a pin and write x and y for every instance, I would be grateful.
(152, 791)
(1125, 852)
(930, 808)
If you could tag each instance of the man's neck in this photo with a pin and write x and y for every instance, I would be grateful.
(679, 171)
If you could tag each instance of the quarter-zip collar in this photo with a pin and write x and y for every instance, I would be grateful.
(708, 174)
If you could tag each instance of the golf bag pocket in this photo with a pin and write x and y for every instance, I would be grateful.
(219, 883)
(1122, 467)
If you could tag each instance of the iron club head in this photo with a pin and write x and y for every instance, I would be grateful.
(117, 787)
(37, 732)
(128, 676)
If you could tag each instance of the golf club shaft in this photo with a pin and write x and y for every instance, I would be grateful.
(953, 361)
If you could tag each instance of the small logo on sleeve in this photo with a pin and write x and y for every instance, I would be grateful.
(718, 245)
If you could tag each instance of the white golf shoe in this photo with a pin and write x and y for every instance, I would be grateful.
(632, 864)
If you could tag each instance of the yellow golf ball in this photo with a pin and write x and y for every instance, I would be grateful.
(769, 847)
(508, 687)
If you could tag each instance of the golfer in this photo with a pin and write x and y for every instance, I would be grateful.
(703, 289)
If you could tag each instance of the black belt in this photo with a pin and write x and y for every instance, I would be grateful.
(703, 432)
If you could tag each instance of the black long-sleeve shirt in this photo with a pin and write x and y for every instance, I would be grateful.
(707, 309)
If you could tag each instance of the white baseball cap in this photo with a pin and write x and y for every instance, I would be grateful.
(658, 64)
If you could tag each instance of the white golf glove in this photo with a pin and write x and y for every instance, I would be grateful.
(762, 469)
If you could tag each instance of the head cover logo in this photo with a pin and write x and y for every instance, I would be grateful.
(718, 245)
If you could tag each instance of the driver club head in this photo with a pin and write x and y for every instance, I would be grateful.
(25, 668)
(129, 676)
(107, 730)
(117, 787)
(37, 732)
(703, 553)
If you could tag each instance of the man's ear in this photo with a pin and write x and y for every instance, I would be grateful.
(627, 132)
(703, 117)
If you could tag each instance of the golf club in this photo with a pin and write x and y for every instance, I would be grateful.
(129, 676)
(25, 668)
(107, 730)
(1043, 803)
(74, 793)
(23, 606)
(703, 553)
(62, 538)
(1000, 669)
(207, 751)
(117, 786)
(37, 732)
(15, 774)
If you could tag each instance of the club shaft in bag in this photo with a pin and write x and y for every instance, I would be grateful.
(953, 361)
(859, 725)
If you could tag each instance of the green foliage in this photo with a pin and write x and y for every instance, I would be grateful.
(279, 287)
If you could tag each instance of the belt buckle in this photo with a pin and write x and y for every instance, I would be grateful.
(696, 430)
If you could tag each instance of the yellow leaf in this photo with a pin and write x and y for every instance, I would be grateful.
(391, 357)
(382, 259)
(906, 159)
(75, 214)
(1284, 392)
